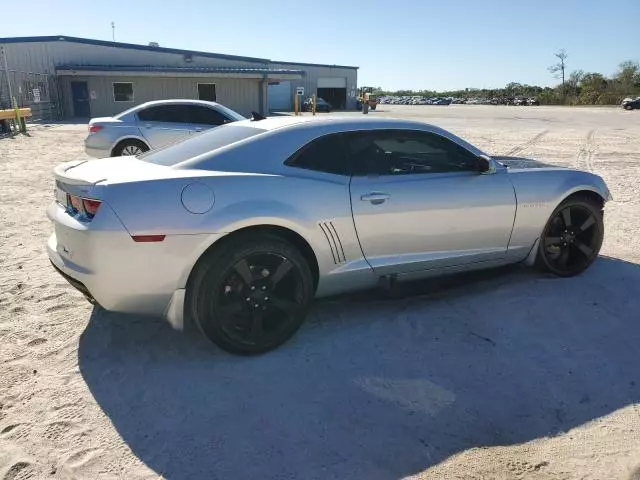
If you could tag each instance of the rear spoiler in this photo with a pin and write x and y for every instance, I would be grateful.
(61, 175)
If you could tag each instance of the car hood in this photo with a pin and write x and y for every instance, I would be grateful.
(522, 163)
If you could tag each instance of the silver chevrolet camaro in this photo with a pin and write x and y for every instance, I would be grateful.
(240, 227)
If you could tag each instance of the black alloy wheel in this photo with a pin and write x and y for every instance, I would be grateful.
(254, 296)
(572, 237)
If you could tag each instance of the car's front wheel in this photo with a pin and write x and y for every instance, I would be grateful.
(251, 295)
(572, 237)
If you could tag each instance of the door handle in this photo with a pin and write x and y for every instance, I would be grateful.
(376, 198)
(197, 129)
(148, 125)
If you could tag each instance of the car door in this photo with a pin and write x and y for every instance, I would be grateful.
(162, 125)
(420, 202)
(202, 118)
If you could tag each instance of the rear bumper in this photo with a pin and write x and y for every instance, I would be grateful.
(97, 145)
(103, 262)
(97, 152)
(76, 284)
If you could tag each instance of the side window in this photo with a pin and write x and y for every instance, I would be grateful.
(165, 113)
(402, 152)
(153, 114)
(324, 154)
(206, 116)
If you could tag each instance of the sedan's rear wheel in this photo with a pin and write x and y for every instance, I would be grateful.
(130, 147)
(572, 237)
(252, 295)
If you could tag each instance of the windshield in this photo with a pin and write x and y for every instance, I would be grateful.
(205, 142)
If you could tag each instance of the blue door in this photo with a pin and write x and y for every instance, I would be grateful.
(80, 96)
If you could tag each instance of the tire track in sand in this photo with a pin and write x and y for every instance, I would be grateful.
(586, 154)
(523, 146)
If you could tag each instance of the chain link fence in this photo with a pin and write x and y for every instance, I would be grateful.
(37, 91)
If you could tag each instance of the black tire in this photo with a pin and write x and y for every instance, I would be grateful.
(227, 307)
(126, 147)
(571, 241)
(628, 107)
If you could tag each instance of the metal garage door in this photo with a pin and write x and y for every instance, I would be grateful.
(332, 82)
(279, 95)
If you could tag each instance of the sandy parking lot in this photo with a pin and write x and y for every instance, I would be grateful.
(506, 375)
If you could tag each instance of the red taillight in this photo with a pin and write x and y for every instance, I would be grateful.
(87, 206)
(91, 206)
(95, 128)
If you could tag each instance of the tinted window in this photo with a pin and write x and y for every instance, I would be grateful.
(206, 116)
(400, 152)
(325, 154)
(165, 113)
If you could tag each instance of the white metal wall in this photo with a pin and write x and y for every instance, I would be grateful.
(314, 73)
(241, 95)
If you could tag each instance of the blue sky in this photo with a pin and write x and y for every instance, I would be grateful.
(415, 44)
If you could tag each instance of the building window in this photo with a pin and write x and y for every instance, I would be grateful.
(207, 91)
(36, 91)
(123, 92)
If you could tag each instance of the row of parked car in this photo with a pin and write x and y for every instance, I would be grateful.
(420, 100)
(414, 100)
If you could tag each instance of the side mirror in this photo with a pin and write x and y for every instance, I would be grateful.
(486, 165)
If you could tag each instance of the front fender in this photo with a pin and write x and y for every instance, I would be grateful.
(540, 191)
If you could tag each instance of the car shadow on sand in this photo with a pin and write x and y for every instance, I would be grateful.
(372, 387)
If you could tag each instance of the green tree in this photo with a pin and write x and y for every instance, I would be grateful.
(628, 77)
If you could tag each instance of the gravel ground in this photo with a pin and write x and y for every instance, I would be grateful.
(502, 375)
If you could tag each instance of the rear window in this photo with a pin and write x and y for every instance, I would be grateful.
(200, 143)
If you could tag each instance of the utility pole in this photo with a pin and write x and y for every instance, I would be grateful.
(113, 31)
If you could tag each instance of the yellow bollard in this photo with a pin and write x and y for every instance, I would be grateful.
(313, 104)
(295, 104)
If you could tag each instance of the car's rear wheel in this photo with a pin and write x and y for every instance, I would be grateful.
(572, 237)
(130, 147)
(251, 295)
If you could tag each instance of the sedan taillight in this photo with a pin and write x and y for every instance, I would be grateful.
(88, 206)
(95, 128)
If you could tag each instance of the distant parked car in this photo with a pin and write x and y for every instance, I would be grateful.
(533, 102)
(630, 104)
(153, 125)
(321, 105)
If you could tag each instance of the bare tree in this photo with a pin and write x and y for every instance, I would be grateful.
(558, 68)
